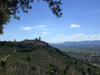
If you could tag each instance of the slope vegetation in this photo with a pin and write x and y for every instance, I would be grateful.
(44, 60)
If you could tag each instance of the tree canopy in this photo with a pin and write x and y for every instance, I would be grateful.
(11, 7)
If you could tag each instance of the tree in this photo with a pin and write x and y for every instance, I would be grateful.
(11, 7)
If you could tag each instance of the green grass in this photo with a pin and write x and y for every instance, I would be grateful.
(5, 51)
(45, 61)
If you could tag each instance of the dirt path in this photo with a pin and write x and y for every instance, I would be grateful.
(8, 56)
(73, 72)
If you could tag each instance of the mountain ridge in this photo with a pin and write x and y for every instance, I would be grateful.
(74, 43)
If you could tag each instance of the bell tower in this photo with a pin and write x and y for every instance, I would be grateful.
(15, 41)
(39, 38)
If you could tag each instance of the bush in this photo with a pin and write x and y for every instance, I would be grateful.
(3, 63)
(54, 68)
(33, 68)
(28, 58)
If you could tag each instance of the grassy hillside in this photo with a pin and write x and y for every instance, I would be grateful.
(45, 60)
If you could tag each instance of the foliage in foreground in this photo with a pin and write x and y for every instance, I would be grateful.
(11, 7)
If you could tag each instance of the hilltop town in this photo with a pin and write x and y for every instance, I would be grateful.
(35, 42)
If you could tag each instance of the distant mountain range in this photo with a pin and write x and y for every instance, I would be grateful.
(80, 43)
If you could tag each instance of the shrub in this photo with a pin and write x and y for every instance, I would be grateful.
(3, 63)
(28, 58)
(33, 68)
(54, 68)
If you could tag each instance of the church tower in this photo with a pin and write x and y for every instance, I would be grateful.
(15, 41)
(39, 38)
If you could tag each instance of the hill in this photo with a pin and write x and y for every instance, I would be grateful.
(38, 59)
(95, 43)
(88, 43)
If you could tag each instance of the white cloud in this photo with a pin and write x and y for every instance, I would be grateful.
(41, 26)
(94, 36)
(75, 26)
(60, 35)
(86, 36)
(45, 33)
(75, 37)
(34, 35)
(44, 29)
(79, 35)
(82, 37)
(26, 28)
(34, 27)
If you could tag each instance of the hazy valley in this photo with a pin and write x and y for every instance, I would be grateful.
(85, 51)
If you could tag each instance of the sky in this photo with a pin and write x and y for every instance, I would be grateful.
(80, 22)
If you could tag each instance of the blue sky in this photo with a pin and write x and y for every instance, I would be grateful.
(80, 21)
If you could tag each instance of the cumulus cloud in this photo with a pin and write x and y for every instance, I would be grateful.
(75, 26)
(94, 36)
(26, 28)
(41, 26)
(86, 36)
(60, 35)
(44, 29)
(45, 33)
(34, 35)
(34, 27)
(79, 35)
(75, 37)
